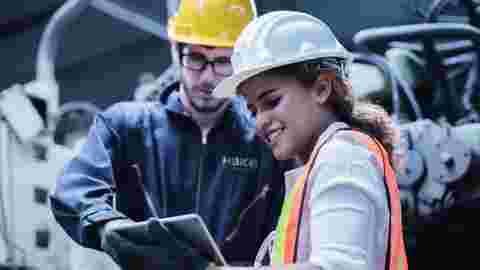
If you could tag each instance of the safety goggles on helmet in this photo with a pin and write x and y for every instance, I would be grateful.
(338, 65)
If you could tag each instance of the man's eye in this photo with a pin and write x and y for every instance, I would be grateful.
(222, 60)
(197, 58)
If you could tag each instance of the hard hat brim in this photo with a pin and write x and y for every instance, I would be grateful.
(228, 87)
(202, 41)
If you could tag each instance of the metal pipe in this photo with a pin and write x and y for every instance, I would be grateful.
(392, 75)
(131, 17)
(45, 83)
(172, 6)
(48, 48)
(469, 134)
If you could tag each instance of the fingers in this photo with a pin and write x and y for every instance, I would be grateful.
(168, 255)
(159, 234)
(122, 246)
(136, 232)
(119, 249)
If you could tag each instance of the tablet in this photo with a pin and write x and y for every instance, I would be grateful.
(192, 229)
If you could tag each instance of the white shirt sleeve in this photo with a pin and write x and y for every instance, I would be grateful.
(349, 210)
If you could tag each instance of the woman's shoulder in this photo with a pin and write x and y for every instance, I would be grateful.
(347, 148)
(346, 161)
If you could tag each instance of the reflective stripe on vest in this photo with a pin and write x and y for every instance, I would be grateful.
(287, 232)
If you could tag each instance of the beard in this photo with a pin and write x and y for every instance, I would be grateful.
(201, 99)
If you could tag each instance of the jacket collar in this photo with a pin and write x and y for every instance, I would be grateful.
(171, 99)
(236, 116)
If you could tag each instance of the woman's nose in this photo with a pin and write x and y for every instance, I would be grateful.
(262, 123)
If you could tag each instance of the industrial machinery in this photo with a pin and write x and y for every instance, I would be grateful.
(431, 87)
(30, 160)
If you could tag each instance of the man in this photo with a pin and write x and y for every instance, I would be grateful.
(188, 152)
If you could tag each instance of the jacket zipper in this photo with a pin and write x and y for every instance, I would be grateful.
(199, 179)
(200, 171)
(146, 194)
(257, 198)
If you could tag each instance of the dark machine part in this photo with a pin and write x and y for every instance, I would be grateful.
(467, 11)
(436, 160)
(440, 172)
(439, 187)
(397, 85)
(452, 219)
(448, 49)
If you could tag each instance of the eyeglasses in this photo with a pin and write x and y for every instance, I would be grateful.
(195, 61)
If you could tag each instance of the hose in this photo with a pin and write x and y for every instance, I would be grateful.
(392, 74)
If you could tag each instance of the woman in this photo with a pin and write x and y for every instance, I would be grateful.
(343, 211)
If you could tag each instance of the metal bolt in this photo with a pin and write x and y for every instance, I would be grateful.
(447, 159)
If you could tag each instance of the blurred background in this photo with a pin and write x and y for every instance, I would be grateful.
(101, 58)
(63, 61)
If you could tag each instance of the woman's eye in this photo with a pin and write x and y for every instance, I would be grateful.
(272, 102)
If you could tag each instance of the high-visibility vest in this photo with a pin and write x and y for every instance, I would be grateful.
(287, 233)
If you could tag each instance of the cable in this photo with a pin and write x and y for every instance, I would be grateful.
(407, 91)
(390, 72)
(376, 60)
(470, 85)
(434, 8)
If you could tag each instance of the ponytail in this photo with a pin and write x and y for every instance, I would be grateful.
(367, 117)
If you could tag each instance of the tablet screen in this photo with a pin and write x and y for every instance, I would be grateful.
(193, 230)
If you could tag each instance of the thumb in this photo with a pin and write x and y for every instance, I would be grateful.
(136, 232)
(158, 232)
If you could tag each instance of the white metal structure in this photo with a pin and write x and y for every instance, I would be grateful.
(30, 161)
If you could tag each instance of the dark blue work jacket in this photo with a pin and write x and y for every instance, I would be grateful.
(134, 148)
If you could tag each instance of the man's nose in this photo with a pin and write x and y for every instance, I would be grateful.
(207, 74)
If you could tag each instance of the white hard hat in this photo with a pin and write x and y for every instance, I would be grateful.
(276, 39)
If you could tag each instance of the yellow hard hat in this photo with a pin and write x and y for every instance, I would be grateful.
(215, 23)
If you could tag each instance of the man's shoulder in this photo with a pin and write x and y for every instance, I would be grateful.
(243, 116)
(133, 113)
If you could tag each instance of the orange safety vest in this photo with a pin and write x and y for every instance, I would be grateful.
(287, 233)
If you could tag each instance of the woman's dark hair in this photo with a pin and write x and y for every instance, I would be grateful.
(367, 117)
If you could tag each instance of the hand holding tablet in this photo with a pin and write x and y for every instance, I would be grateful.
(192, 230)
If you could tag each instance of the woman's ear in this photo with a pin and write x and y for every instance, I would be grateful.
(321, 90)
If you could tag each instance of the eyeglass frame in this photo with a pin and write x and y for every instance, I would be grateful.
(205, 63)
